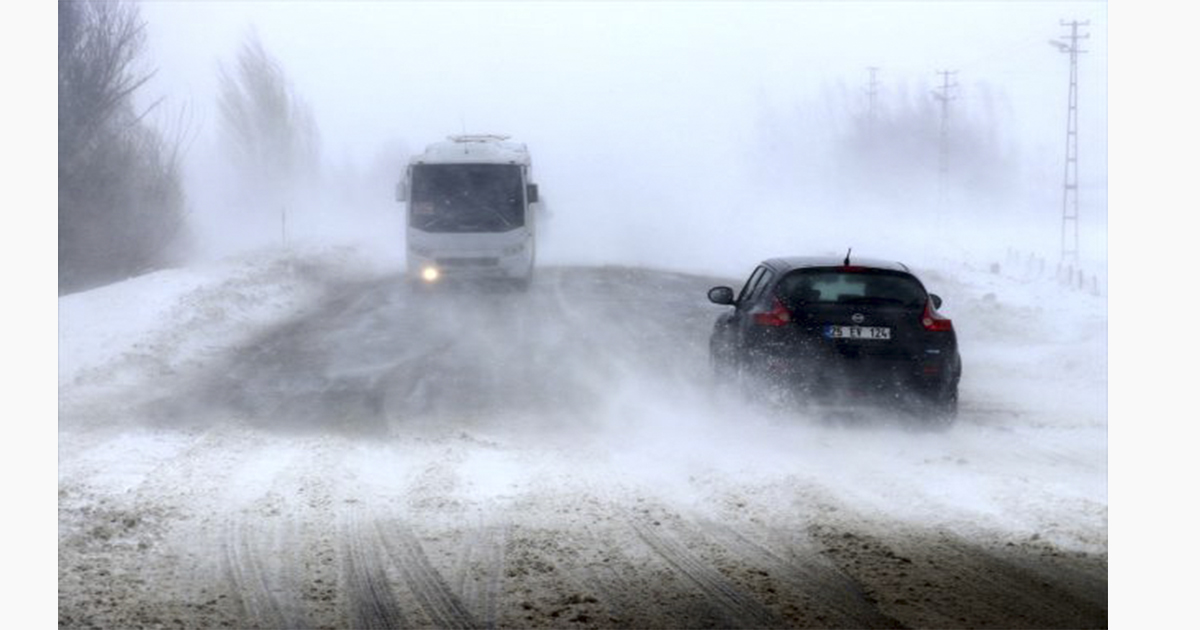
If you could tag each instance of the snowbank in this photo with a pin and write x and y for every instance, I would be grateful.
(172, 316)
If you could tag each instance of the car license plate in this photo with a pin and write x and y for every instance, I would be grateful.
(879, 333)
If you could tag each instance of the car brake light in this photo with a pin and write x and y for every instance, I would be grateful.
(777, 316)
(934, 321)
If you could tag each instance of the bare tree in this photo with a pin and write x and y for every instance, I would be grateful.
(98, 43)
(268, 130)
(121, 203)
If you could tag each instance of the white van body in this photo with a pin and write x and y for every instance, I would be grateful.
(471, 210)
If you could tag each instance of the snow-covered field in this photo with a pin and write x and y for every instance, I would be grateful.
(297, 438)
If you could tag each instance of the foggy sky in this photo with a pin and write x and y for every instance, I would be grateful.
(373, 69)
(648, 111)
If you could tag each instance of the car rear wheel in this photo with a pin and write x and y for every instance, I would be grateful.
(943, 409)
(522, 284)
(725, 371)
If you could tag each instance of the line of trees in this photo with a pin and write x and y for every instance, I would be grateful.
(121, 203)
(835, 142)
(899, 141)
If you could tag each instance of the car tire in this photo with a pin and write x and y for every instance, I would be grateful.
(730, 376)
(943, 409)
(522, 284)
(724, 372)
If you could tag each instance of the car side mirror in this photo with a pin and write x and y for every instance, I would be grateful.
(937, 300)
(721, 295)
(531, 193)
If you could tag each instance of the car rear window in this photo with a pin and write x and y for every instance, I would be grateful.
(834, 286)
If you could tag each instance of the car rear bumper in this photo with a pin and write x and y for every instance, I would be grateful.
(836, 376)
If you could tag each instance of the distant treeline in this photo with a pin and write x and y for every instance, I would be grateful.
(122, 209)
(121, 204)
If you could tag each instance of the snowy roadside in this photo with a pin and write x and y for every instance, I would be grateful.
(1029, 344)
(158, 323)
(626, 456)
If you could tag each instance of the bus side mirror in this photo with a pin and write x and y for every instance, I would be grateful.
(531, 193)
(402, 190)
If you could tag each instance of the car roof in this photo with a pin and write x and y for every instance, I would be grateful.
(784, 264)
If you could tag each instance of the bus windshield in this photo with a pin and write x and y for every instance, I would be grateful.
(466, 198)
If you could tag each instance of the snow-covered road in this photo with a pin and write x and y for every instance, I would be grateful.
(303, 440)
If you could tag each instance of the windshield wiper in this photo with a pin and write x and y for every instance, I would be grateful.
(503, 219)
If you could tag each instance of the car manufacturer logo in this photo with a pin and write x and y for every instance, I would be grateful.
(857, 318)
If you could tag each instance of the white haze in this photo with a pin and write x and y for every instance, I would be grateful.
(1027, 458)
(693, 136)
(685, 136)
(699, 137)
(658, 138)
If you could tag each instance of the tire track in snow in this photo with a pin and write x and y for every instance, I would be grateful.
(481, 572)
(736, 608)
(429, 588)
(278, 550)
(371, 602)
(265, 592)
(619, 581)
(827, 595)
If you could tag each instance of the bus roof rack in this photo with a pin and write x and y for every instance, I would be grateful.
(479, 137)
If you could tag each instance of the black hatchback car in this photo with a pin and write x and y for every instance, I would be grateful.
(837, 331)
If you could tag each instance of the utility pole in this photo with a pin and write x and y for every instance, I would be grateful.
(872, 94)
(943, 94)
(1069, 239)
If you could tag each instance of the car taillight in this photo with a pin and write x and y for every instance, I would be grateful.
(934, 321)
(777, 316)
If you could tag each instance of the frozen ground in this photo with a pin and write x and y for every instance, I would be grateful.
(302, 440)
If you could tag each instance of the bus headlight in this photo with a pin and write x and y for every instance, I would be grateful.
(430, 274)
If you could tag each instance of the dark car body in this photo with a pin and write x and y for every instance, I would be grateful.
(832, 330)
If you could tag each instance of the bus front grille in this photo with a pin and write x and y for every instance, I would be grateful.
(468, 262)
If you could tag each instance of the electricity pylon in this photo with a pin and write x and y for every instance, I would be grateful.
(944, 95)
(872, 94)
(1069, 238)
